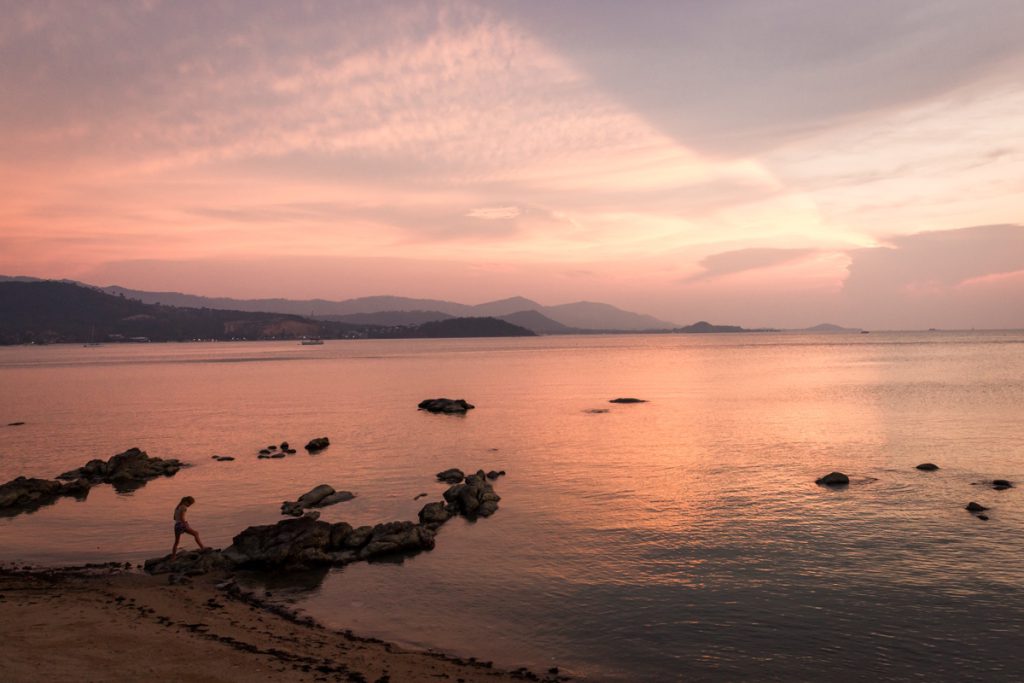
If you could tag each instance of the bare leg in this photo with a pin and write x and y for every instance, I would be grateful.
(195, 536)
(174, 550)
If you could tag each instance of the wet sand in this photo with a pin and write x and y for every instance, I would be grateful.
(107, 624)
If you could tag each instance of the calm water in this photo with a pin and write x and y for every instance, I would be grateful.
(681, 539)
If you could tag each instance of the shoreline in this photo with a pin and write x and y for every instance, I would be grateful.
(107, 623)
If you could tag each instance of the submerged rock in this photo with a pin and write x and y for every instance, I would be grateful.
(1001, 484)
(833, 479)
(975, 507)
(628, 400)
(451, 476)
(927, 467)
(445, 405)
(15, 424)
(318, 444)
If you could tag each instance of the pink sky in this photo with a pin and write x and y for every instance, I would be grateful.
(755, 163)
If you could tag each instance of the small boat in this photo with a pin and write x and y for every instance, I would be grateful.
(312, 342)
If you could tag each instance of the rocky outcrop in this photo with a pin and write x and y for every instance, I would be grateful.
(305, 542)
(451, 476)
(928, 467)
(190, 563)
(318, 497)
(628, 400)
(445, 405)
(125, 471)
(26, 494)
(833, 479)
(318, 444)
(473, 498)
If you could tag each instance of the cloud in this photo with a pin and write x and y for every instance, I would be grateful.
(740, 260)
(743, 77)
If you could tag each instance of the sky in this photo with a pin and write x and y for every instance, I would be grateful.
(764, 163)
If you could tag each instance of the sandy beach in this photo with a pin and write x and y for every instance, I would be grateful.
(110, 624)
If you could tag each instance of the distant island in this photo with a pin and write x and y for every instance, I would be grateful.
(49, 312)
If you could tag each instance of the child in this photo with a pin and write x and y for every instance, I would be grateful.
(181, 526)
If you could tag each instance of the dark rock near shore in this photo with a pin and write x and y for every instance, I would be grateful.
(474, 498)
(25, 494)
(628, 400)
(1001, 484)
(927, 467)
(975, 507)
(15, 424)
(319, 496)
(434, 514)
(284, 445)
(451, 476)
(223, 458)
(833, 479)
(318, 444)
(191, 563)
(445, 405)
(126, 471)
(494, 474)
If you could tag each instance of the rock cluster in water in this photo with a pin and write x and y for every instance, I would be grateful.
(318, 497)
(125, 471)
(306, 542)
(445, 405)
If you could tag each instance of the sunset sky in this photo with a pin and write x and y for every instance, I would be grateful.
(779, 163)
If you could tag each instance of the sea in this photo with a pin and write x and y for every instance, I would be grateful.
(679, 539)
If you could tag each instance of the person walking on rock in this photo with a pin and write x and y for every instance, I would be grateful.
(182, 527)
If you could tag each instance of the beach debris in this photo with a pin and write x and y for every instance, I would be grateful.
(975, 507)
(1001, 484)
(318, 444)
(927, 467)
(445, 405)
(451, 476)
(833, 479)
(628, 400)
(317, 497)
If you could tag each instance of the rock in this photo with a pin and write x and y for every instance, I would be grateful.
(451, 476)
(474, 498)
(128, 470)
(597, 411)
(434, 514)
(983, 517)
(928, 467)
(25, 494)
(281, 544)
(271, 447)
(264, 451)
(1001, 484)
(628, 400)
(15, 424)
(290, 451)
(339, 532)
(193, 562)
(311, 514)
(318, 496)
(262, 456)
(318, 444)
(975, 507)
(833, 479)
(445, 405)
(420, 495)
(284, 445)
(493, 474)
(395, 537)
(223, 458)
(276, 456)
